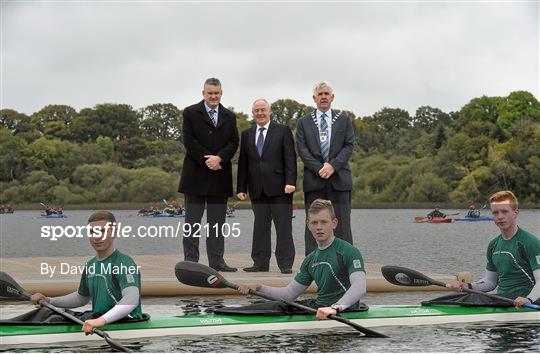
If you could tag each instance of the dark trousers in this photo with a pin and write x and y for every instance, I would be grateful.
(265, 210)
(341, 201)
(215, 215)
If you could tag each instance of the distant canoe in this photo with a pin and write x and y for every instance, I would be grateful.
(435, 220)
(438, 220)
(480, 218)
(161, 215)
(53, 216)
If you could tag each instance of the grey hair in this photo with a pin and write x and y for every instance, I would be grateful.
(320, 85)
(212, 81)
(261, 99)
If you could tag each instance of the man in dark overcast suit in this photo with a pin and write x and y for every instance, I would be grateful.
(325, 142)
(267, 171)
(211, 140)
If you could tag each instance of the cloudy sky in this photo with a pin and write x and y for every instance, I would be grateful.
(376, 54)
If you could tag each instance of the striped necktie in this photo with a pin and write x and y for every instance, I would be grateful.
(213, 116)
(324, 138)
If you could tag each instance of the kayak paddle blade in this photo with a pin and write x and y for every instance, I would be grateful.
(405, 276)
(196, 274)
(10, 288)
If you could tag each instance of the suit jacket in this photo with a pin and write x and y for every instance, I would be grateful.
(271, 171)
(201, 138)
(341, 147)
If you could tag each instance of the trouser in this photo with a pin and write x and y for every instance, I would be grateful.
(265, 210)
(215, 218)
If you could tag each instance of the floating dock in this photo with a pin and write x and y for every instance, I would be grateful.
(158, 279)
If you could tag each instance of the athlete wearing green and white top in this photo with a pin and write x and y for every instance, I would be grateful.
(336, 267)
(513, 257)
(105, 280)
(331, 268)
(111, 280)
(514, 262)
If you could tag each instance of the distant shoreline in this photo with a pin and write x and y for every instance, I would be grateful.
(244, 205)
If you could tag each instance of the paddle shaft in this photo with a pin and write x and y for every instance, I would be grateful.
(70, 317)
(366, 331)
(99, 332)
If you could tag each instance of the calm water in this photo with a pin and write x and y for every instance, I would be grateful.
(383, 236)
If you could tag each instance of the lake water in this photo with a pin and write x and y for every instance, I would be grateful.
(383, 236)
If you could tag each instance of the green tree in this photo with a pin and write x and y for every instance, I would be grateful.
(117, 121)
(477, 185)
(39, 187)
(12, 156)
(129, 150)
(57, 157)
(106, 146)
(54, 120)
(518, 105)
(19, 124)
(288, 112)
(161, 121)
(429, 118)
(428, 187)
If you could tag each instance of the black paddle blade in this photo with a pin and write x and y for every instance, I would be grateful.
(10, 288)
(196, 274)
(405, 276)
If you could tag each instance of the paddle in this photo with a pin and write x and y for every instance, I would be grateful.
(196, 274)
(408, 277)
(10, 288)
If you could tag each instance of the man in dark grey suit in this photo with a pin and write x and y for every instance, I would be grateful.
(267, 170)
(325, 141)
(211, 140)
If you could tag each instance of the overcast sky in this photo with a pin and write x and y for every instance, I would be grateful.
(376, 55)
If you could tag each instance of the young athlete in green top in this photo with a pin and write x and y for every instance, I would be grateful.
(111, 279)
(513, 257)
(336, 267)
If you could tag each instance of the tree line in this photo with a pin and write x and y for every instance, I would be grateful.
(115, 153)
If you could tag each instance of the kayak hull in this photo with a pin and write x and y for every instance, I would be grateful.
(480, 218)
(440, 220)
(213, 324)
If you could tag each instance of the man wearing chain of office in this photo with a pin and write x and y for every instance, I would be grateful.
(325, 141)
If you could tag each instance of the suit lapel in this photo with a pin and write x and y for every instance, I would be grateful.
(221, 116)
(269, 135)
(335, 117)
(251, 139)
(315, 130)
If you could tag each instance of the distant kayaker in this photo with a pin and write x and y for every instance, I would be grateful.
(513, 257)
(436, 214)
(111, 280)
(473, 212)
(336, 266)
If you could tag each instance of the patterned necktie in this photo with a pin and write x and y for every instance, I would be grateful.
(213, 116)
(260, 141)
(324, 138)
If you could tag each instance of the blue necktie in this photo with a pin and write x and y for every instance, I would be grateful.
(213, 116)
(260, 141)
(325, 142)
